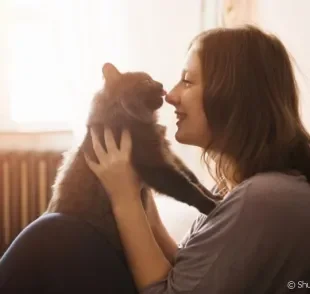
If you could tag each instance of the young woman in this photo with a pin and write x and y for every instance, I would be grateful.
(237, 99)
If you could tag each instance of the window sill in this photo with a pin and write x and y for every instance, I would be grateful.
(59, 140)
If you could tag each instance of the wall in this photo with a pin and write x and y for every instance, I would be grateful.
(290, 21)
(287, 19)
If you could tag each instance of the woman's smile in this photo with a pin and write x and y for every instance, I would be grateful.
(180, 116)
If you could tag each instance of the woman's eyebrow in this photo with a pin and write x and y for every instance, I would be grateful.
(193, 73)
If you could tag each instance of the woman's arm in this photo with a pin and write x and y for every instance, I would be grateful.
(164, 240)
(145, 257)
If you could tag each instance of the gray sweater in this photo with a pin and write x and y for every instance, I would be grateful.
(257, 240)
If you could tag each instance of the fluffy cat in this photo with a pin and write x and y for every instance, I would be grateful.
(127, 100)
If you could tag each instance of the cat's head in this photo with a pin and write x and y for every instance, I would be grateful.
(136, 93)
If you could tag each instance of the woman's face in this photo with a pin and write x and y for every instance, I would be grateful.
(187, 98)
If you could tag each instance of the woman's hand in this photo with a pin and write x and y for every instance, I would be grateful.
(115, 170)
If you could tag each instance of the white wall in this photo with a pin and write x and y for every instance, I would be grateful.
(289, 20)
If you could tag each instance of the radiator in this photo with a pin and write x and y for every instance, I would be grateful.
(25, 189)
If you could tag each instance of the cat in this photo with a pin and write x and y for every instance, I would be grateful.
(128, 100)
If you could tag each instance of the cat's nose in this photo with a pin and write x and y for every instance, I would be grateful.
(163, 91)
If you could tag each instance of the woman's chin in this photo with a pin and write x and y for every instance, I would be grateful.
(180, 137)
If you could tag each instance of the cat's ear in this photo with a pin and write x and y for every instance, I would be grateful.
(110, 72)
(137, 111)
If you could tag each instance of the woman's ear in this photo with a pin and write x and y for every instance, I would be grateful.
(110, 72)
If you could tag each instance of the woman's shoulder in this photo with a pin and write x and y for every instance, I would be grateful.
(270, 185)
(263, 204)
(267, 193)
(274, 186)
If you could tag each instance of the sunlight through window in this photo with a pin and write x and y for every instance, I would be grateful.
(39, 86)
(40, 67)
(57, 49)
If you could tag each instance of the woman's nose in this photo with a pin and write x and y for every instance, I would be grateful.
(171, 98)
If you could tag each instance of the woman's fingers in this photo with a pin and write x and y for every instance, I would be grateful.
(92, 165)
(99, 151)
(114, 170)
(112, 150)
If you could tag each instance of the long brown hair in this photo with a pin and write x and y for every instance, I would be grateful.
(251, 102)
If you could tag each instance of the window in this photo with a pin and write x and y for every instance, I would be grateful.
(56, 50)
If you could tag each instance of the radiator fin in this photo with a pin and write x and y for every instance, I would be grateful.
(25, 189)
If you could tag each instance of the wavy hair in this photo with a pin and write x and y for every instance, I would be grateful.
(251, 102)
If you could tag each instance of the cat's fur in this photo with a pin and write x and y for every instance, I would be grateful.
(127, 100)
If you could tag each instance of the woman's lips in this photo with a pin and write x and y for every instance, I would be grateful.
(180, 116)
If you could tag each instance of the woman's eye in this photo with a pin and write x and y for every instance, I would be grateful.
(186, 82)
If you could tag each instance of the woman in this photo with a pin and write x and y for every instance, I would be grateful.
(237, 100)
